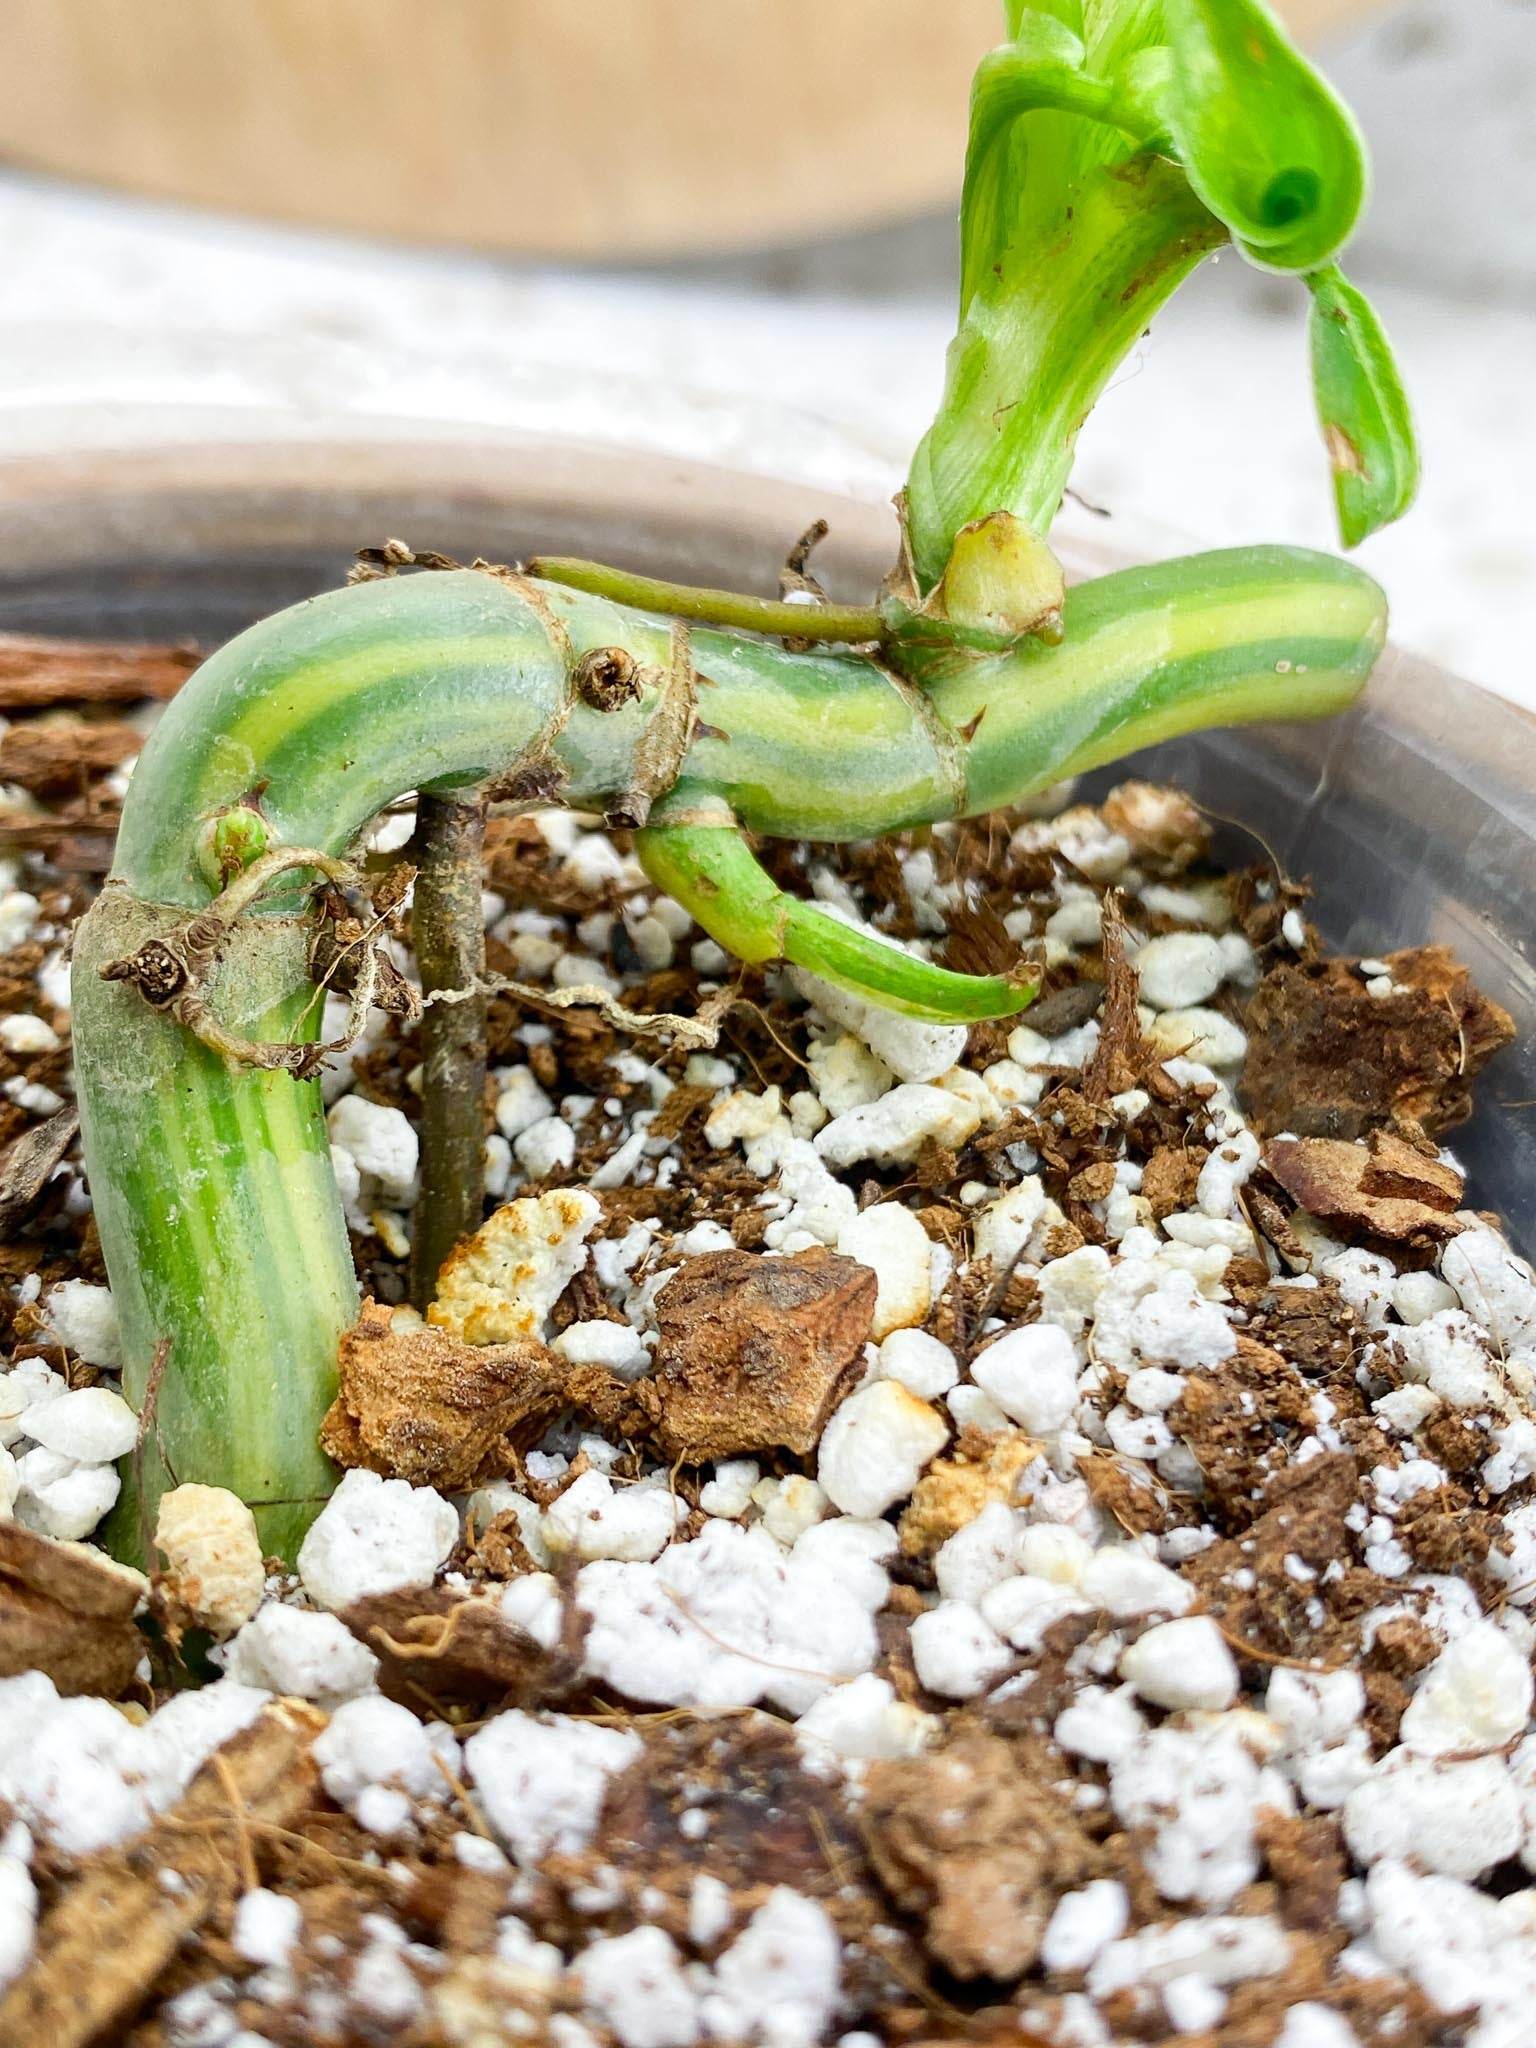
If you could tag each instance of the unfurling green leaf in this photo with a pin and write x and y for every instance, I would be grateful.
(1018, 13)
(1363, 408)
(1267, 145)
(1041, 68)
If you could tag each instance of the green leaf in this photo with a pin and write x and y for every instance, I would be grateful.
(1363, 408)
(1266, 144)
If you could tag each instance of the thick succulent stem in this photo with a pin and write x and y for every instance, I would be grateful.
(218, 1215)
(218, 1212)
(448, 932)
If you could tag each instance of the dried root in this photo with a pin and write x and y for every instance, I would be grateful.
(171, 970)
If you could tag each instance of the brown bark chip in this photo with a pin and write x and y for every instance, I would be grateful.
(35, 671)
(1385, 1188)
(965, 1841)
(1327, 1060)
(57, 756)
(423, 1405)
(1170, 1177)
(755, 1353)
(27, 1163)
(437, 1647)
(67, 1611)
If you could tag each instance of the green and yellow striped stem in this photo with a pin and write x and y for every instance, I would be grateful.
(218, 1214)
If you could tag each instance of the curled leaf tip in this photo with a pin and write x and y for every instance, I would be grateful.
(1265, 142)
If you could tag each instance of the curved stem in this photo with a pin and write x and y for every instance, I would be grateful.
(218, 1213)
(214, 1197)
(1054, 316)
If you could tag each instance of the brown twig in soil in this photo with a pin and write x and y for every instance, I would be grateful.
(997, 1293)
(291, 1839)
(465, 1797)
(250, 1877)
(839, 1869)
(449, 935)
(1244, 1649)
(1116, 1061)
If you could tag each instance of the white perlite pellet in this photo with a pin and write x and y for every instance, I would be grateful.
(895, 1129)
(373, 1536)
(542, 1781)
(1183, 1663)
(956, 1653)
(1032, 1376)
(90, 1425)
(594, 1518)
(634, 1984)
(875, 1447)
(911, 1050)
(380, 1140)
(1180, 970)
(294, 1650)
(919, 1362)
(266, 1927)
(1475, 1696)
(894, 1245)
(380, 1762)
(84, 1318)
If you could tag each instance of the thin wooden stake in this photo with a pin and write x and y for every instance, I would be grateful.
(450, 953)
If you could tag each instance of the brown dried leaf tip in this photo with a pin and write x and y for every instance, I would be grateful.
(1385, 1187)
(756, 1352)
(69, 1612)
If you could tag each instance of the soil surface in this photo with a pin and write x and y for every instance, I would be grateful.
(887, 1534)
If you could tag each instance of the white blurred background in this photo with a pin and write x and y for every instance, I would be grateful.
(126, 318)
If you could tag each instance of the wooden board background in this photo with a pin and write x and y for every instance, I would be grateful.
(581, 128)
